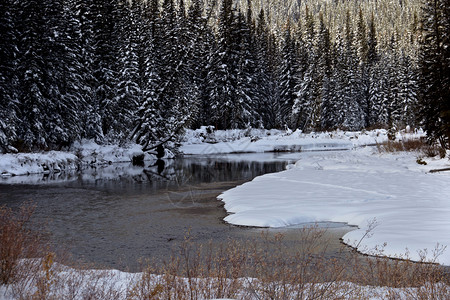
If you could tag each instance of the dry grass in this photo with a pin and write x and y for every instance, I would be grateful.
(245, 270)
(265, 268)
(17, 241)
(418, 145)
(249, 271)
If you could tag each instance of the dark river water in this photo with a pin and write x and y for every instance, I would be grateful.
(115, 215)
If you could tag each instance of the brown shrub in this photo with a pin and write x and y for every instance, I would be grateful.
(17, 241)
(412, 144)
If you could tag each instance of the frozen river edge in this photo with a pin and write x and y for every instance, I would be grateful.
(399, 208)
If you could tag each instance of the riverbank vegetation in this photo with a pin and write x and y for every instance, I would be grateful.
(418, 145)
(265, 268)
(142, 71)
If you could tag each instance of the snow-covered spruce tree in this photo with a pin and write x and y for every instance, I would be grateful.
(64, 125)
(351, 88)
(378, 92)
(178, 94)
(336, 109)
(8, 76)
(200, 42)
(434, 61)
(408, 89)
(169, 98)
(322, 112)
(246, 66)
(288, 80)
(389, 105)
(324, 71)
(308, 88)
(131, 58)
(168, 57)
(39, 74)
(267, 103)
(370, 82)
(106, 41)
(80, 55)
(363, 44)
(148, 118)
(227, 111)
(219, 76)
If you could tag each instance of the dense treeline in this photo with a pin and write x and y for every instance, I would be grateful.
(142, 71)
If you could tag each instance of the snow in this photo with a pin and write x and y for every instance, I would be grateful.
(389, 196)
(92, 153)
(204, 141)
(33, 163)
(76, 284)
(82, 153)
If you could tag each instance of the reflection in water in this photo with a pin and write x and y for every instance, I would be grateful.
(160, 164)
(115, 214)
(162, 173)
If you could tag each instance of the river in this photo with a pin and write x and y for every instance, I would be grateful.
(115, 215)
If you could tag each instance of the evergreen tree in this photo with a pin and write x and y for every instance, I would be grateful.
(267, 103)
(227, 109)
(408, 89)
(351, 86)
(322, 112)
(393, 79)
(130, 65)
(8, 75)
(435, 69)
(246, 66)
(105, 68)
(38, 58)
(201, 43)
(81, 57)
(307, 97)
(288, 79)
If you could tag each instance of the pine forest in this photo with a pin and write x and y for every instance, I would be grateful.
(142, 71)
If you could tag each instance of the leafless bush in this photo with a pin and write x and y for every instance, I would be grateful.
(259, 269)
(402, 278)
(269, 269)
(18, 241)
(412, 144)
(59, 282)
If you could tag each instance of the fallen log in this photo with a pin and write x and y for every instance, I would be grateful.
(439, 170)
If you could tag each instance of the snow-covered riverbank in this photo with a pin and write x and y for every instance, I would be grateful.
(391, 198)
(194, 142)
(81, 154)
(204, 141)
(389, 195)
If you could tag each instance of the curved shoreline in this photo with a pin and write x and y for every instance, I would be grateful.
(390, 198)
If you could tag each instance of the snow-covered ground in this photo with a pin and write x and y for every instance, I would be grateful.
(408, 208)
(81, 154)
(394, 202)
(204, 141)
(62, 282)
(193, 142)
